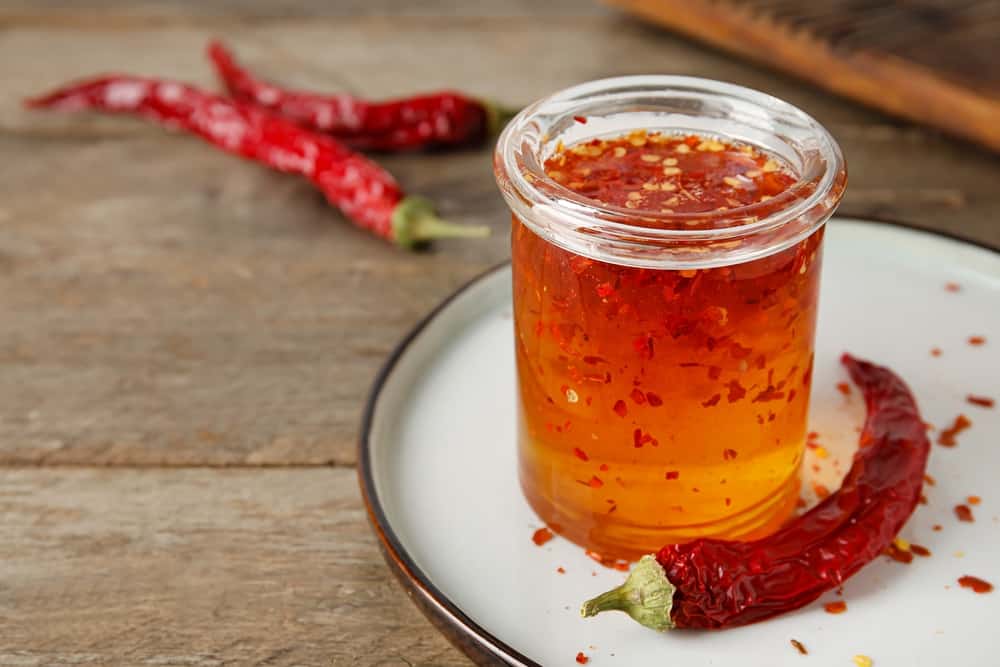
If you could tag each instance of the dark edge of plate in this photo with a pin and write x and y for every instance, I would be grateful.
(472, 639)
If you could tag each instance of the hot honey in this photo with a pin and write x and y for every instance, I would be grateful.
(660, 405)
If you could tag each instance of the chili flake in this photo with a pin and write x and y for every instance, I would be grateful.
(899, 555)
(736, 391)
(729, 454)
(947, 436)
(935, 351)
(930, 481)
(921, 551)
(820, 490)
(638, 396)
(712, 401)
(964, 513)
(977, 340)
(976, 584)
(561, 570)
(973, 500)
(580, 454)
(620, 408)
(835, 607)
(580, 119)
(672, 474)
(653, 399)
(581, 658)
(844, 388)
(981, 401)
(541, 536)
(952, 287)
(799, 646)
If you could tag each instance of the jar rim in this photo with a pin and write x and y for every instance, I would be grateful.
(530, 192)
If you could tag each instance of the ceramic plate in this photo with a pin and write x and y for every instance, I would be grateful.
(438, 473)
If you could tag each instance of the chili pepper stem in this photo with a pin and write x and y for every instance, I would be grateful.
(414, 222)
(647, 596)
(497, 117)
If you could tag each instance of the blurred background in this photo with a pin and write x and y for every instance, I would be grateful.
(187, 338)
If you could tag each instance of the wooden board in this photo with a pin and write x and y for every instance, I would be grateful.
(171, 313)
(933, 61)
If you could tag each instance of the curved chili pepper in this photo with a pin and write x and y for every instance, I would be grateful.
(436, 119)
(364, 191)
(715, 584)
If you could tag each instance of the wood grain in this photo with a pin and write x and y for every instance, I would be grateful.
(935, 62)
(171, 313)
(199, 567)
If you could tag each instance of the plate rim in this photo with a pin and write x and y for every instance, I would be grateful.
(478, 643)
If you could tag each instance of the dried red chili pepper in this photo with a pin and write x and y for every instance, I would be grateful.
(364, 191)
(717, 584)
(436, 119)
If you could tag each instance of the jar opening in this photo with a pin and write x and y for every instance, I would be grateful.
(669, 105)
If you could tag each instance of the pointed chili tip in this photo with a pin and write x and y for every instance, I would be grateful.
(217, 50)
(647, 596)
(415, 223)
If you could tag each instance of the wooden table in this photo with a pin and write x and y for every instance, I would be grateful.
(187, 339)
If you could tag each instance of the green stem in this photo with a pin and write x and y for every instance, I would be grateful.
(497, 117)
(647, 596)
(415, 223)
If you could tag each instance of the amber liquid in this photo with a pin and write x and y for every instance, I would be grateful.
(658, 406)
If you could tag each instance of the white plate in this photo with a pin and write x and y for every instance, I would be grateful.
(438, 472)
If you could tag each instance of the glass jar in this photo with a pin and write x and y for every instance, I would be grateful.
(664, 359)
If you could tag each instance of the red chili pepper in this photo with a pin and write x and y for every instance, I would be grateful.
(435, 119)
(364, 191)
(717, 584)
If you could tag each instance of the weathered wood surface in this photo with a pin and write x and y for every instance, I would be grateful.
(204, 568)
(168, 307)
